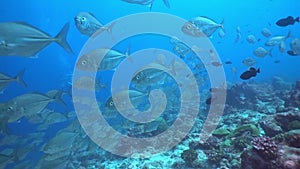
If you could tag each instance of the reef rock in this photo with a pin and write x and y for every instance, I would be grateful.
(293, 98)
(280, 122)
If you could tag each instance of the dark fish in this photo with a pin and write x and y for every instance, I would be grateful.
(216, 63)
(228, 62)
(295, 47)
(208, 101)
(249, 73)
(287, 21)
(292, 53)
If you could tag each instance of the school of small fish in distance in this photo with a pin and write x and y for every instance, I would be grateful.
(23, 40)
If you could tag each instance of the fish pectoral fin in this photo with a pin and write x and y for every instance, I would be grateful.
(150, 6)
(109, 28)
(292, 53)
(35, 56)
(102, 29)
(166, 2)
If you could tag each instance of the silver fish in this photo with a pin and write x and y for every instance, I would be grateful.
(136, 97)
(52, 118)
(151, 74)
(276, 40)
(251, 39)
(88, 83)
(238, 37)
(148, 3)
(238, 34)
(26, 105)
(262, 52)
(282, 46)
(238, 29)
(221, 33)
(22, 39)
(295, 47)
(6, 157)
(249, 62)
(88, 24)
(5, 80)
(90, 61)
(266, 32)
(179, 47)
(61, 142)
(201, 26)
(61, 161)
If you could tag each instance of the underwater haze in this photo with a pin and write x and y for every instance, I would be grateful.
(211, 84)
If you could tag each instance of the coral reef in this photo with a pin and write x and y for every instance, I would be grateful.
(280, 152)
(241, 95)
(278, 83)
(189, 156)
(280, 122)
(293, 97)
(265, 147)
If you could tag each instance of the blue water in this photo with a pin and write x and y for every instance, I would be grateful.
(54, 66)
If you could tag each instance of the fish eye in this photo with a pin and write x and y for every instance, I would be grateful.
(10, 108)
(111, 103)
(188, 26)
(83, 62)
(83, 18)
(138, 77)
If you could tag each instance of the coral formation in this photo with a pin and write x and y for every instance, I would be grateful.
(189, 156)
(265, 147)
(293, 97)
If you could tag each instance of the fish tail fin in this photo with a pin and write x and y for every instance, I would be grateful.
(4, 127)
(109, 28)
(19, 78)
(270, 52)
(58, 97)
(222, 25)
(101, 84)
(166, 2)
(127, 52)
(258, 70)
(61, 38)
(150, 6)
(297, 19)
(289, 35)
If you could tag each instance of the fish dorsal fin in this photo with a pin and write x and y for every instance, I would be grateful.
(150, 6)
(31, 26)
(90, 13)
(42, 94)
(252, 69)
(22, 22)
(25, 24)
(206, 17)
